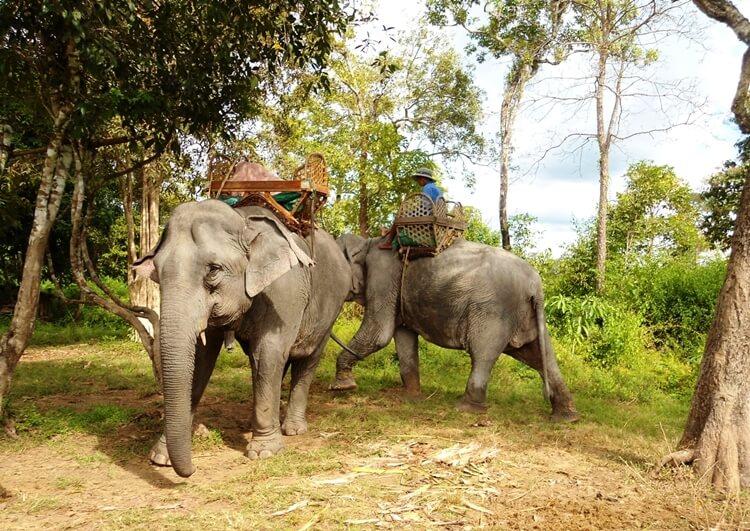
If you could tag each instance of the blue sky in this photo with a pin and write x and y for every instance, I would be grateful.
(563, 187)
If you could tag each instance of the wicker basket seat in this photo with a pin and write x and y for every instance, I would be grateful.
(426, 228)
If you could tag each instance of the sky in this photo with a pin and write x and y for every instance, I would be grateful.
(563, 188)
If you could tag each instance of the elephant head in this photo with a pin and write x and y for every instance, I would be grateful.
(355, 249)
(210, 262)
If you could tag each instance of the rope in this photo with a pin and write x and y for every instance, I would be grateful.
(401, 288)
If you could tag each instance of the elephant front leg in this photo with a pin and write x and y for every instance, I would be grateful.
(267, 376)
(372, 336)
(408, 360)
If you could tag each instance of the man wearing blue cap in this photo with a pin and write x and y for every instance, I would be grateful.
(423, 176)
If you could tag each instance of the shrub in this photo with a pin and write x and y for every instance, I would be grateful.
(677, 300)
(87, 315)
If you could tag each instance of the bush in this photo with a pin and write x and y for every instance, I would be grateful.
(677, 300)
(87, 315)
(612, 352)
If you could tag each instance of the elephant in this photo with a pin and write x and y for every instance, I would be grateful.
(223, 269)
(470, 297)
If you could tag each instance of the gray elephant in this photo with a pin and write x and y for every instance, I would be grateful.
(223, 269)
(471, 297)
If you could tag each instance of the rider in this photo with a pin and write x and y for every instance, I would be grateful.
(424, 178)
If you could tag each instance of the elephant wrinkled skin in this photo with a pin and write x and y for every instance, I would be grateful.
(471, 297)
(222, 269)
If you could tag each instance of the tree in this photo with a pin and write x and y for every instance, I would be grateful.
(717, 435)
(621, 38)
(655, 214)
(721, 200)
(383, 117)
(154, 68)
(532, 33)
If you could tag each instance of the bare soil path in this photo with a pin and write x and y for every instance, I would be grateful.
(367, 463)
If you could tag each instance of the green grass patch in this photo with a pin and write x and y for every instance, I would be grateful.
(95, 420)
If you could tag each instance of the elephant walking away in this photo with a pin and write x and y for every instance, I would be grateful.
(471, 297)
(241, 270)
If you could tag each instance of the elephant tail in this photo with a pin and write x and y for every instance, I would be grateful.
(537, 302)
(345, 347)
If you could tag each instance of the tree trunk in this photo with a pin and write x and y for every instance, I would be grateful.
(603, 142)
(48, 199)
(144, 291)
(6, 135)
(364, 198)
(516, 83)
(138, 317)
(717, 435)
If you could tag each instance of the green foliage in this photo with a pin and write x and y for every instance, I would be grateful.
(477, 229)
(574, 273)
(721, 201)
(655, 214)
(522, 235)
(378, 122)
(677, 300)
(89, 316)
(577, 317)
(194, 63)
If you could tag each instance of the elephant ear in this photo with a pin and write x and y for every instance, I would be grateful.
(144, 266)
(355, 250)
(271, 252)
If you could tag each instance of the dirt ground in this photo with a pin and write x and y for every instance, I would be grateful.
(474, 473)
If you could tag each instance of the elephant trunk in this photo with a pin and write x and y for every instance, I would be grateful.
(178, 337)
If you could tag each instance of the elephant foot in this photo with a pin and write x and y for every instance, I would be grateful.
(159, 455)
(344, 382)
(467, 406)
(294, 427)
(410, 394)
(565, 414)
(265, 447)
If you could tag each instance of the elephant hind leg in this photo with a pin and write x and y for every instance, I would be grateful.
(303, 371)
(474, 399)
(563, 408)
(407, 349)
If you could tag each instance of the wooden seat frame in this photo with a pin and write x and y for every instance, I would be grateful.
(300, 219)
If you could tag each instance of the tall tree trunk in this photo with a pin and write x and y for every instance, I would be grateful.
(144, 291)
(83, 269)
(516, 83)
(126, 189)
(603, 143)
(364, 196)
(6, 136)
(49, 197)
(717, 435)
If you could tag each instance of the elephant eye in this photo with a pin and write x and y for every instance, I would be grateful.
(213, 271)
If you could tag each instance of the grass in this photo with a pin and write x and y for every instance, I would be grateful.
(92, 411)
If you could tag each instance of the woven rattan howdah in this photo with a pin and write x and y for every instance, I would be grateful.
(426, 228)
